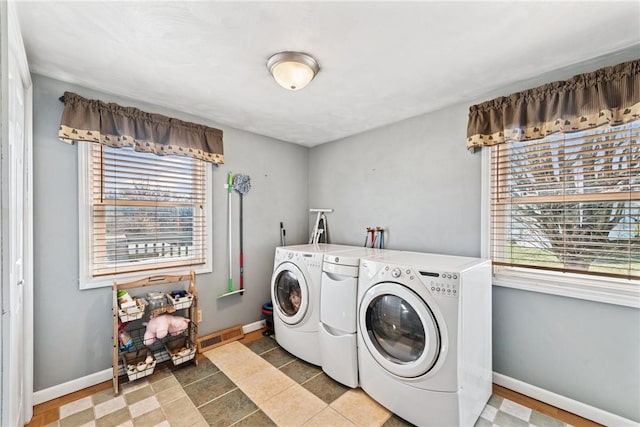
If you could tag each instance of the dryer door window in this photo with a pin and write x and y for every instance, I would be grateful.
(395, 329)
(289, 293)
(399, 330)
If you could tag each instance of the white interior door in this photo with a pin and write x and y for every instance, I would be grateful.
(16, 244)
(17, 339)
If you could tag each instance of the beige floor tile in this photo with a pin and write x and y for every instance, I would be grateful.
(265, 384)
(516, 410)
(75, 407)
(360, 409)
(293, 407)
(228, 353)
(109, 406)
(237, 361)
(164, 384)
(78, 419)
(138, 395)
(151, 418)
(245, 368)
(132, 386)
(159, 374)
(170, 394)
(182, 412)
(489, 413)
(143, 406)
(114, 418)
(329, 417)
(225, 351)
(103, 396)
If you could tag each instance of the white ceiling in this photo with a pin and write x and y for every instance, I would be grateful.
(381, 62)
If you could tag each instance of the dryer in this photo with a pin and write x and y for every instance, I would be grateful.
(295, 295)
(338, 313)
(424, 336)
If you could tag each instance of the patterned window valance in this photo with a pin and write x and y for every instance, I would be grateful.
(116, 126)
(610, 95)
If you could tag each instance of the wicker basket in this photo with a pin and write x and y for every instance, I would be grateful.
(133, 313)
(135, 364)
(181, 350)
(180, 302)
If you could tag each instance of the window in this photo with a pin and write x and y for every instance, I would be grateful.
(141, 212)
(568, 203)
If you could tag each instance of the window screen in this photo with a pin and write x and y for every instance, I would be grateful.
(147, 211)
(569, 202)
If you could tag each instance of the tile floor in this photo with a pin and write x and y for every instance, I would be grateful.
(255, 384)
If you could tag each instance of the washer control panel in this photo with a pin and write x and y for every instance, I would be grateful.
(312, 260)
(441, 283)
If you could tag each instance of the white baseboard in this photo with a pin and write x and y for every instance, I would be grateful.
(586, 411)
(72, 386)
(56, 391)
(253, 326)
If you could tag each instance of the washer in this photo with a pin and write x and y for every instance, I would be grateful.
(295, 295)
(424, 336)
(338, 313)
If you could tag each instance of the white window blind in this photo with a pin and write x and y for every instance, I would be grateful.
(147, 211)
(569, 202)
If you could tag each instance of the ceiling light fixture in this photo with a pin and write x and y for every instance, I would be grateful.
(292, 70)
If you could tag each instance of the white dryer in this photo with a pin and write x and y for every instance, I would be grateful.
(424, 336)
(338, 313)
(295, 295)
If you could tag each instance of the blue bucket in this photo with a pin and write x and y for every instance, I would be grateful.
(267, 312)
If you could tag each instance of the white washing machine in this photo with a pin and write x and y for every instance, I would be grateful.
(338, 313)
(295, 295)
(424, 336)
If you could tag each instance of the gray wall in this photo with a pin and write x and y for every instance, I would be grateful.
(584, 350)
(416, 179)
(413, 178)
(73, 327)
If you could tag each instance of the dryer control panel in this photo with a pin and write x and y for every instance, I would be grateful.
(441, 283)
(444, 284)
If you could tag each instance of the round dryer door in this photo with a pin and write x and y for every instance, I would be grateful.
(289, 293)
(399, 330)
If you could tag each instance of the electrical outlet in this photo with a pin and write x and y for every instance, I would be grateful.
(199, 316)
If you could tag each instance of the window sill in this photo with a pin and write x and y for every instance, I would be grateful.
(618, 292)
(107, 281)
